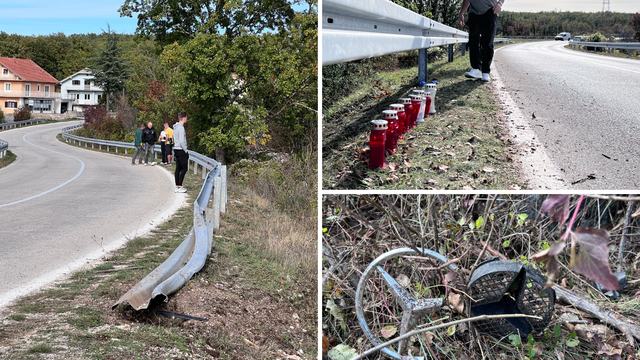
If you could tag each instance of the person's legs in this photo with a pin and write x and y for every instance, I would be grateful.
(169, 154)
(474, 40)
(135, 153)
(163, 148)
(182, 160)
(148, 150)
(489, 25)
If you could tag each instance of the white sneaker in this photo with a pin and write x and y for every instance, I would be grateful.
(485, 77)
(181, 190)
(473, 74)
(154, 163)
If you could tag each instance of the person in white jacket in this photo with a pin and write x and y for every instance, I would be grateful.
(180, 151)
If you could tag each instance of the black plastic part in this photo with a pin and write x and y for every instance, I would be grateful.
(506, 287)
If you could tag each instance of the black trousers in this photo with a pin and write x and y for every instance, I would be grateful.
(482, 31)
(164, 152)
(182, 164)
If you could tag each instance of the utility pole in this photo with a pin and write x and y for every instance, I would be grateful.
(605, 7)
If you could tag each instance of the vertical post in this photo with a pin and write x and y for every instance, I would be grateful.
(223, 179)
(450, 52)
(208, 220)
(116, 149)
(204, 173)
(216, 202)
(422, 65)
(464, 47)
(195, 168)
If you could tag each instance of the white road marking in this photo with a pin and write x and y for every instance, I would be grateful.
(82, 166)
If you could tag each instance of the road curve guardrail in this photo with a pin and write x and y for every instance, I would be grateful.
(359, 29)
(608, 45)
(20, 123)
(190, 256)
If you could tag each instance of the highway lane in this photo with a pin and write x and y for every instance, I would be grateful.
(61, 206)
(586, 107)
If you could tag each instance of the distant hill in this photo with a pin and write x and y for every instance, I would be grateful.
(551, 23)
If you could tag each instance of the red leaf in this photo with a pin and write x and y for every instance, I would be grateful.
(592, 259)
(558, 208)
(549, 258)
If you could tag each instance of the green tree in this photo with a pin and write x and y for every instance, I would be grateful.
(180, 20)
(109, 68)
(635, 24)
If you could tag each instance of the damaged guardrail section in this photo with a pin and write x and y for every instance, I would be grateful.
(190, 256)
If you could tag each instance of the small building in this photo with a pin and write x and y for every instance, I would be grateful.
(82, 89)
(26, 83)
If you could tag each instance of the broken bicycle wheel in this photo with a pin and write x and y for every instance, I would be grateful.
(396, 293)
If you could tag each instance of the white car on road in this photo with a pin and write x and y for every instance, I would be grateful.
(563, 36)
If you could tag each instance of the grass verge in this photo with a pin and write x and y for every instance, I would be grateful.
(258, 290)
(462, 146)
(7, 159)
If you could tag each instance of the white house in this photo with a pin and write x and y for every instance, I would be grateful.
(82, 89)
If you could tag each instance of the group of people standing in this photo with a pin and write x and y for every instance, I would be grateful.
(172, 141)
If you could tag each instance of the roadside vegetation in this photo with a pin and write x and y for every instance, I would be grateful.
(462, 146)
(469, 229)
(8, 158)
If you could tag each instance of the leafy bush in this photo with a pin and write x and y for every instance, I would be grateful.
(597, 37)
(98, 124)
(289, 184)
(1, 116)
(23, 113)
(94, 114)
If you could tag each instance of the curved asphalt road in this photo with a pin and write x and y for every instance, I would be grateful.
(61, 206)
(586, 106)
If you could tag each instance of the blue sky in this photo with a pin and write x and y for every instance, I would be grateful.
(44, 17)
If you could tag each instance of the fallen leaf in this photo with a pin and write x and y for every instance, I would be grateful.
(488, 169)
(443, 167)
(451, 330)
(342, 352)
(335, 311)
(450, 277)
(408, 163)
(403, 280)
(456, 302)
(393, 167)
(388, 331)
(451, 154)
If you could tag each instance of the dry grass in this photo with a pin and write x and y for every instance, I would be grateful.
(514, 228)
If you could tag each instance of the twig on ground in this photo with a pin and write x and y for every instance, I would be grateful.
(625, 231)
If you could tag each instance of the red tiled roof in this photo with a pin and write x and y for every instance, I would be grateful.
(27, 70)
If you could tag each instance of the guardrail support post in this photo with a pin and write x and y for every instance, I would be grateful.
(422, 65)
(629, 52)
(195, 168)
(464, 47)
(223, 179)
(217, 186)
(450, 52)
(208, 220)
(204, 173)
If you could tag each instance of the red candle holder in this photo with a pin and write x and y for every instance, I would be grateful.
(402, 119)
(416, 101)
(423, 104)
(408, 111)
(392, 139)
(377, 141)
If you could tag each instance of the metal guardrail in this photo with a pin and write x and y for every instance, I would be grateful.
(608, 45)
(358, 29)
(4, 146)
(190, 256)
(195, 158)
(20, 123)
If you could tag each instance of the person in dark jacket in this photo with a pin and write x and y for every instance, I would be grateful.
(137, 141)
(149, 137)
